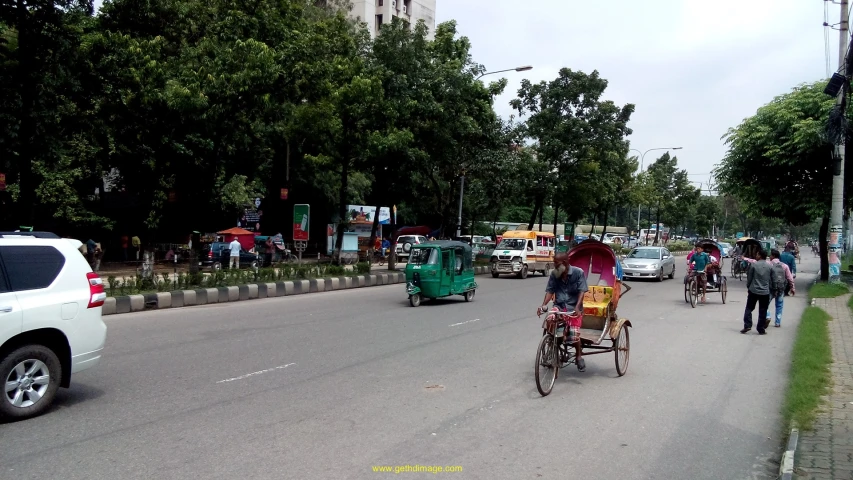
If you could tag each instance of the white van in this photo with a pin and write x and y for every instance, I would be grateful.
(523, 251)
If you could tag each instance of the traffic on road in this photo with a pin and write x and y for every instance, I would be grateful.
(257, 389)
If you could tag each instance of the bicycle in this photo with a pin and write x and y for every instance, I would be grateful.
(554, 346)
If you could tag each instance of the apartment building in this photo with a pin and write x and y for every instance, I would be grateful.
(377, 12)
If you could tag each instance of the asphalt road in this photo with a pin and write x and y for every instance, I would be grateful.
(343, 381)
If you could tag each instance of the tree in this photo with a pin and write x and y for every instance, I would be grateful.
(47, 142)
(779, 162)
(667, 187)
(576, 132)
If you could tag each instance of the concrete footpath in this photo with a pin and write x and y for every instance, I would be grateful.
(826, 453)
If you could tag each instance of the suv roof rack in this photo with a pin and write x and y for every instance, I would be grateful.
(29, 234)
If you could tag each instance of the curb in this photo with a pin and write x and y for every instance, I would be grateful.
(786, 469)
(252, 291)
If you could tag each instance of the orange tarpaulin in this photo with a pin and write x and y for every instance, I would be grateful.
(245, 237)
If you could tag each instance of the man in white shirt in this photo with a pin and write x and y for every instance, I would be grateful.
(234, 246)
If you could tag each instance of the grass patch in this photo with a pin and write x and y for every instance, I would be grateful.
(810, 376)
(828, 290)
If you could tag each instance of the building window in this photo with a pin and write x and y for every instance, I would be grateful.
(378, 22)
(380, 2)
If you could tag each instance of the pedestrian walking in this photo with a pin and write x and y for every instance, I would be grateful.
(782, 283)
(269, 248)
(788, 259)
(234, 246)
(758, 288)
(125, 241)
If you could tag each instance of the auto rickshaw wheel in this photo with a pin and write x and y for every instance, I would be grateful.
(469, 295)
(415, 300)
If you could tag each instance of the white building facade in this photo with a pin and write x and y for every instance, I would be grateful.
(375, 13)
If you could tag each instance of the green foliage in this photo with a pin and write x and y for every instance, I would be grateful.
(782, 148)
(362, 268)
(810, 375)
(828, 290)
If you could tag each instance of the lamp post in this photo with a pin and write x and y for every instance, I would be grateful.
(462, 177)
(642, 157)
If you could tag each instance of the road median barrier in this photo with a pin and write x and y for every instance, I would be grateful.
(204, 296)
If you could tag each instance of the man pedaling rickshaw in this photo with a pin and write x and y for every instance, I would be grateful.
(566, 287)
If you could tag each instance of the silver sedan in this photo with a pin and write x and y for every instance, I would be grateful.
(649, 262)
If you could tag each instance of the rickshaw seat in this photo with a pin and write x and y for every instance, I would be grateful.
(596, 301)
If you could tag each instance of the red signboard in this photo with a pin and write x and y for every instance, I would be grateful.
(284, 194)
(2, 182)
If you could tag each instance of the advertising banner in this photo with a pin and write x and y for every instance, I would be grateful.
(363, 213)
(300, 221)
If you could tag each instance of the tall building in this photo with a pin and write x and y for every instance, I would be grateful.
(377, 12)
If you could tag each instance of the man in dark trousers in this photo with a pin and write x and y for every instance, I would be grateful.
(758, 286)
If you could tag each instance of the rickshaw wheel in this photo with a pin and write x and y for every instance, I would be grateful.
(545, 382)
(694, 293)
(687, 291)
(622, 349)
(469, 296)
(724, 288)
(415, 300)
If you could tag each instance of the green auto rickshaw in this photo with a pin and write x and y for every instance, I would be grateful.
(440, 269)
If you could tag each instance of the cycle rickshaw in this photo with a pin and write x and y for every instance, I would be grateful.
(748, 247)
(717, 282)
(598, 322)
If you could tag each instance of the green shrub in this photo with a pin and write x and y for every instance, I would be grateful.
(362, 268)
(335, 270)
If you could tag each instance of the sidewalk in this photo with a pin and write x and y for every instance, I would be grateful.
(827, 452)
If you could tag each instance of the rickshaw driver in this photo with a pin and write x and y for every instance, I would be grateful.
(566, 287)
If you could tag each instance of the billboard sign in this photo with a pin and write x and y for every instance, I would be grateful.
(300, 221)
(363, 213)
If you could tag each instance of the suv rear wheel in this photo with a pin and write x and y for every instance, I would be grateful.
(30, 376)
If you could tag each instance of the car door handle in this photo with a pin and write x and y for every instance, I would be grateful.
(5, 309)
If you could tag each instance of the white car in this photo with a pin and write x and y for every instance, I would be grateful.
(50, 319)
(405, 242)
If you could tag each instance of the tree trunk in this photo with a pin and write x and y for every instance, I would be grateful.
(592, 227)
(534, 213)
(541, 213)
(392, 255)
(556, 209)
(824, 251)
(606, 219)
(373, 229)
(342, 209)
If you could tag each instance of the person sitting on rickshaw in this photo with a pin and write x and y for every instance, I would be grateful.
(566, 287)
(714, 270)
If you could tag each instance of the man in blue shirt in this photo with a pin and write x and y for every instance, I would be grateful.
(700, 261)
(566, 287)
(788, 259)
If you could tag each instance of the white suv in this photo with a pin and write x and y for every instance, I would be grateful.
(50, 319)
(405, 242)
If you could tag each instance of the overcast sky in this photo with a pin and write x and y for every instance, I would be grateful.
(693, 68)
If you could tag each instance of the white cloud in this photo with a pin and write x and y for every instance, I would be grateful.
(693, 68)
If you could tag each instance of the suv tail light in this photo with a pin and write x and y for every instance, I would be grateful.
(210, 253)
(97, 295)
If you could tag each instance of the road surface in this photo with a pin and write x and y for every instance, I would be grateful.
(330, 385)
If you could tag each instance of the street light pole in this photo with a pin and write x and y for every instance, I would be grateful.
(462, 177)
(642, 157)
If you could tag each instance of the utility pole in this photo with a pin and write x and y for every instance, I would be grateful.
(836, 216)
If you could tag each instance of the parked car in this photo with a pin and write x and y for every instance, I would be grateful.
(404, 245)
(50, 319)
(726, 248)
(649, 262)
(217, 255)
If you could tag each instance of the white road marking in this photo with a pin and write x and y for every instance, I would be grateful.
(466, 321)
(241, 377)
